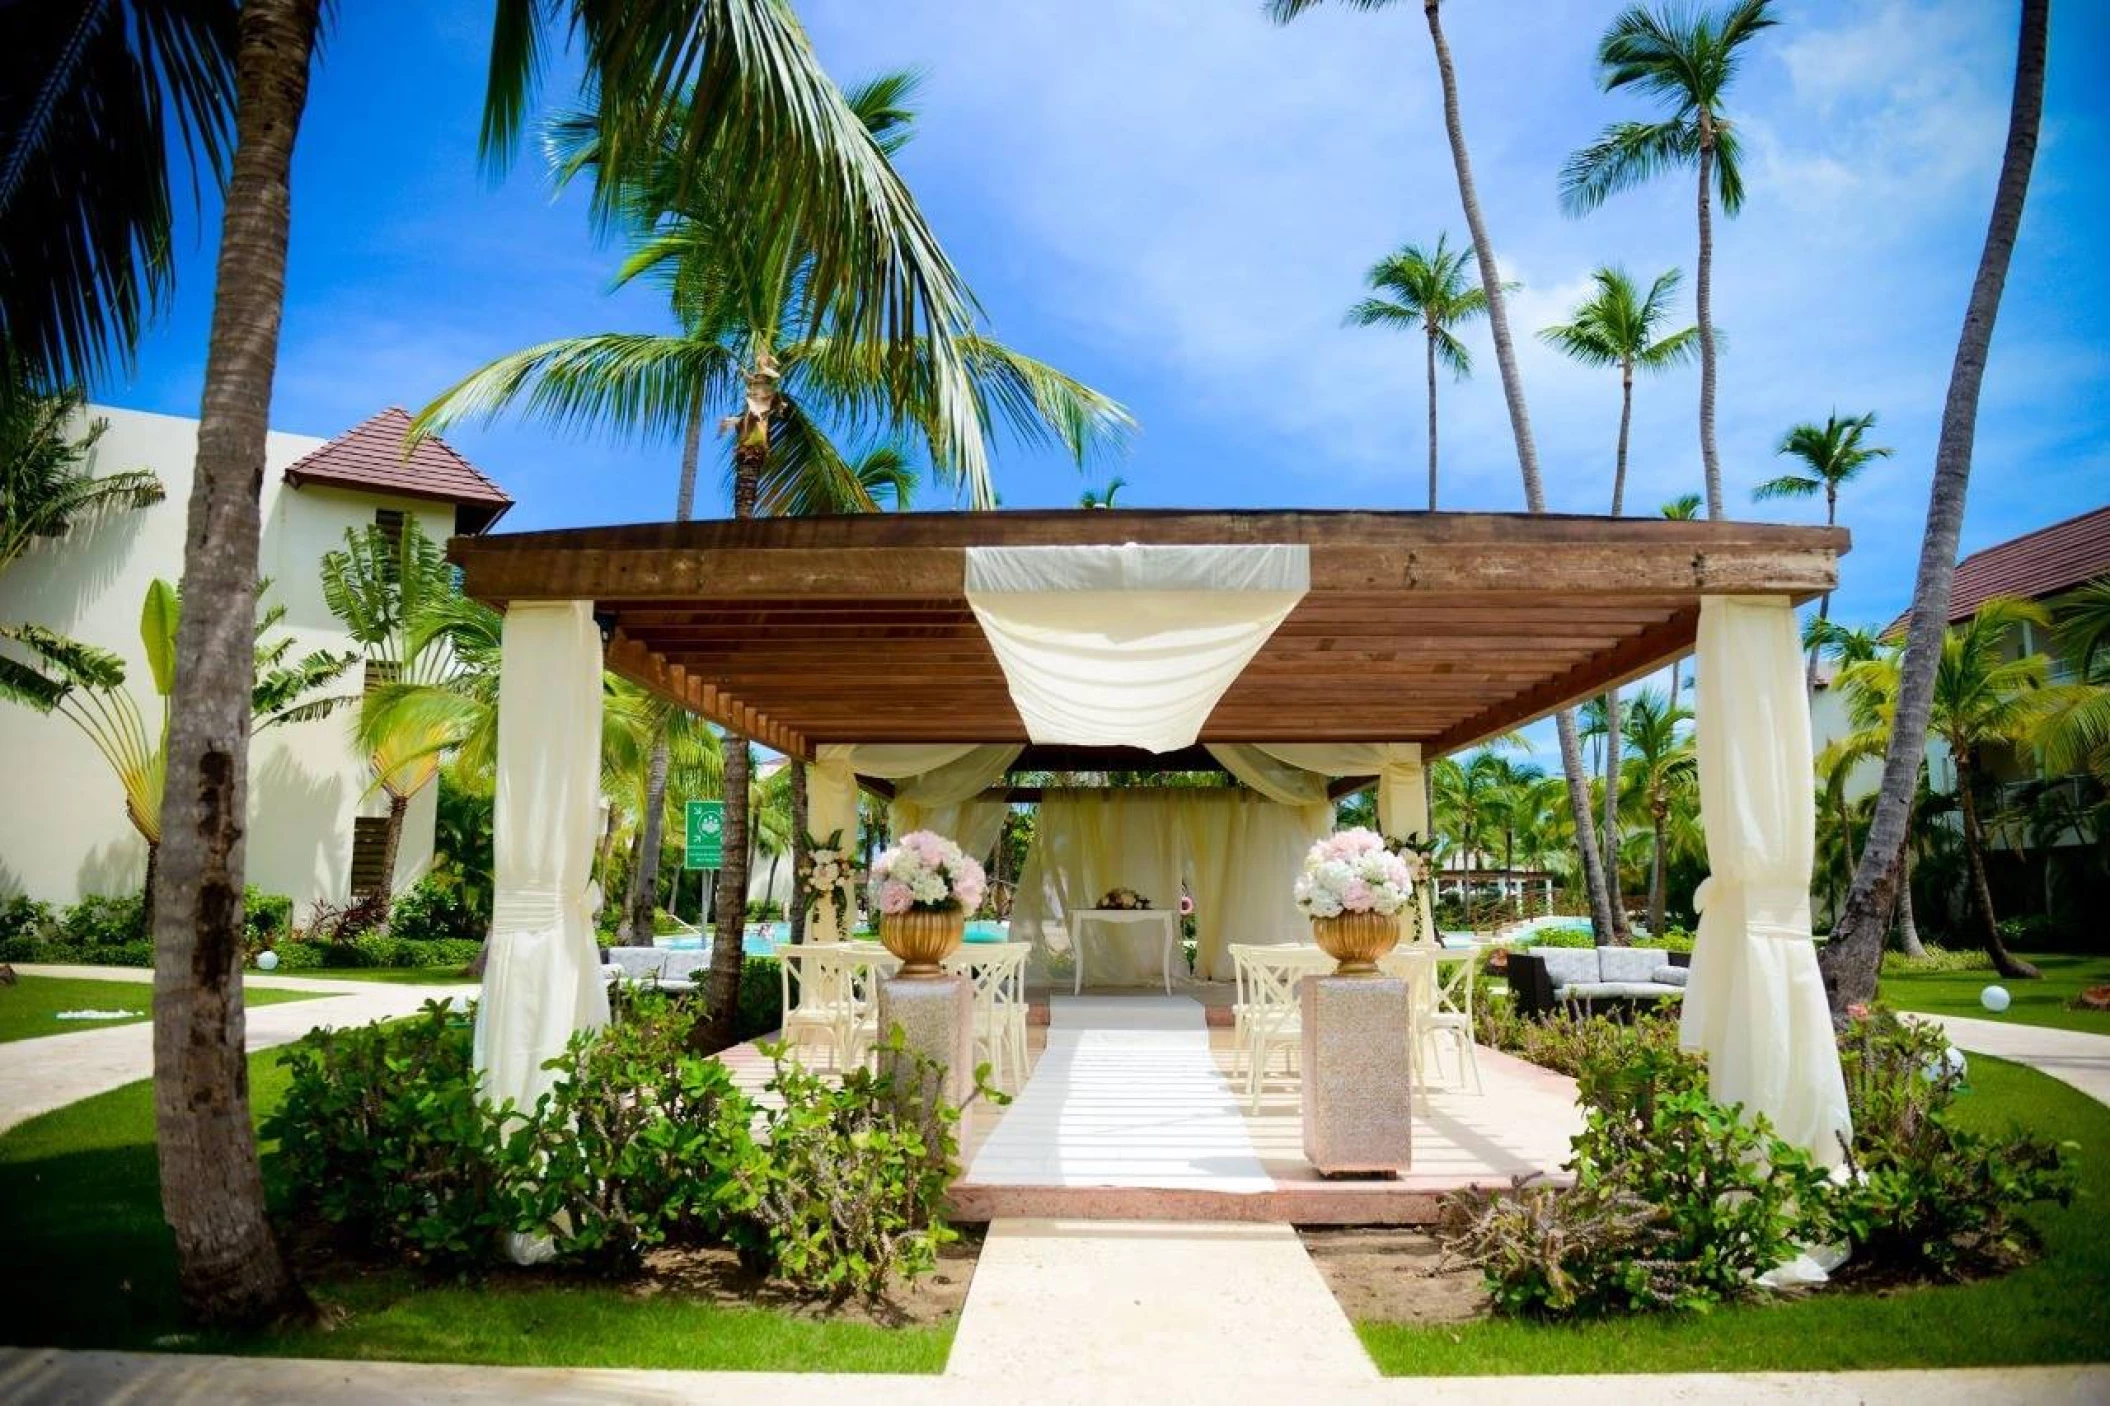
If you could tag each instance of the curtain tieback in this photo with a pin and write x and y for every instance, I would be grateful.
(534, 908)
(1765, 909)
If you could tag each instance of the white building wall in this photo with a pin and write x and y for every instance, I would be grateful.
(63, 832)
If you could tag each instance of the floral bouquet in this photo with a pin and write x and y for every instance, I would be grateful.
(1353, 872)
(926, 873)
(828, 874)
(1123, 901)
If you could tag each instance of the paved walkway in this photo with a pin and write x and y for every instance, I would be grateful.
(35, 1377)
(54, 1070)
(2072, 1056)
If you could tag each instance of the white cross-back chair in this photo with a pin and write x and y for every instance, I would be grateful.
(819, 1001)
(1450, 1021)
(1274, 1016)
(997, 972)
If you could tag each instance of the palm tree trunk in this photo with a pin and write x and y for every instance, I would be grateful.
(1674, 682)
(1432, 419)
(146, 893)
(1824, 602)
(229, 1266)
(1851, 959)
(800, 820)
(644, 873)
(1703, 302)
(1527, 451)
(722, 999)
(1659, 813)
(2004, 962)
(1622, 931)
(1908, 927)
(1626, 421)
(392, 841)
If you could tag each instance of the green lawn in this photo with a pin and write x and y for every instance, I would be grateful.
(394, 976)
(90, 1264)
(29, 1007)
(2056, 1310)
(2035, 1002)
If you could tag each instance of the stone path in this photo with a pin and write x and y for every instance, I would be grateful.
(2072, 1056)
(35, 1377)
(54, 1070)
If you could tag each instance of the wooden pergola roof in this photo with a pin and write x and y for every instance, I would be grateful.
(1438, 628)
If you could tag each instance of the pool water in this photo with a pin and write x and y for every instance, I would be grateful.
(763, 939)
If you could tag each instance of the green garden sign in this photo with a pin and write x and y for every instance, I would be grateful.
(703, 846)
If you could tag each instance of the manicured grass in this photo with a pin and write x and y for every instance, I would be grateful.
(2034, 1002)
(393, 976)
(30, 1007)
(90, 1264)
(2056, 1310)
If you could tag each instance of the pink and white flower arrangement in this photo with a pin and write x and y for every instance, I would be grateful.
(1353, 872)
(927, 872)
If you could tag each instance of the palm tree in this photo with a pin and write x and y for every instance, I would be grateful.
(1683, 508)
(1851, 959)
(92, 95)
(1660, 768)
(1425, 290)
(1102, 498)
(2074, 732)
(1867, 678)
(1833, 455)
(1688, 58)
(1617, 326)
(1491, 286)
(45, 488)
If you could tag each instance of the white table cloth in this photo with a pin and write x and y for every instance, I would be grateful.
(1083, 916)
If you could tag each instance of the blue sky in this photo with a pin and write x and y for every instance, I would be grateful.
(1176, 202)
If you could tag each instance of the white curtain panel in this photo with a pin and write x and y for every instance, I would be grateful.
(1243, 855)
(1755, 1002)
(543, 980)
(1083, 845)
(1130, 645)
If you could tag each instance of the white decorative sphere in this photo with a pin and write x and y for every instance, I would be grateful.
(1994, 999)
(267, 961)
(1949, 1064)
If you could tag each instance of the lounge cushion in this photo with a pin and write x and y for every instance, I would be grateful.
(1627, 963)
(1670, 976)
(1618, 990)
(637, 963)
(1567, 965)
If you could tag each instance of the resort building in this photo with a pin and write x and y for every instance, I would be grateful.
(317, 820)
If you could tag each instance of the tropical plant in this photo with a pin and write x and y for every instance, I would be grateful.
(1683, 508)
(1619, 326)
(1659, 771)
(1492, 288)
(1833, 455)
(95, 98)
(45, 487)
(1850, 960)
(1686, 57)
(2074, 729)
(1425, 290)
(1102, 497)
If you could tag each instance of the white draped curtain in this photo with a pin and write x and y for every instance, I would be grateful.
(1755, 1002)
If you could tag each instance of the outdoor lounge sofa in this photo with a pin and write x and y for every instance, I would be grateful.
(1589, 978)
(668, 968)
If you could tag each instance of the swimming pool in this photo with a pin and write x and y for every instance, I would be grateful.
(763, 939)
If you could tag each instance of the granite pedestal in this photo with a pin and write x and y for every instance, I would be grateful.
(1357, 1092)
(936, 1018)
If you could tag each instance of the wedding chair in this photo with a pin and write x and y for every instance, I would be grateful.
(997, 973)
(1451, 1019)
(818, 1004)
(1274, 1016)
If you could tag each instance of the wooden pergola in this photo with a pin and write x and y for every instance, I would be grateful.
(1443, 629)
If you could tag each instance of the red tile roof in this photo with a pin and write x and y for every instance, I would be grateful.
(369, 457)
(2035, 565)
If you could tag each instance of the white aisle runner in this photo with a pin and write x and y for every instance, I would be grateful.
(1126, 1094)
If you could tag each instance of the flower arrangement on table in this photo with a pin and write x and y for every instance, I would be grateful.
(827, 873)
(1353, 888)
(924, 886)
(1122, 901)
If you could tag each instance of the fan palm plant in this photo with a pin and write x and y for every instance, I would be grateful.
(1492, 287)
(1428, 291)
(45, 486)
(1688, 58)
(1852, 958)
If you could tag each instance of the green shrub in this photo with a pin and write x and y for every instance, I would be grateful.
(298, 956)
(1678, 1202)
(23, 918)
(1928, 1195)
(267, 917)
(1567, 1042)
(1937, 959)
(434, 908)
(98, 921)
(764, 910)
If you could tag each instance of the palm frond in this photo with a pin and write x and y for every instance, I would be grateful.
(1625, 155)
(633, 385)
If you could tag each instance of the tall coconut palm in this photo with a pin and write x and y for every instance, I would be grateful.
(1619, 326)
(1659, 768)
(45, 486)
(1683, 508)
(1851, 959)
(1428, 291)
(94, 97)
(768, 120)
(1833, 455)
(1687, 58)
(1867, 679)
(1491, 285)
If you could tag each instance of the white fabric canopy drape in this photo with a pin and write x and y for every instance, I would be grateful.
(1128, 646)
(542, 981)
(1755, 1002)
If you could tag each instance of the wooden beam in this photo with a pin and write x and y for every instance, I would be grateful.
(1643, 654)
(630, 659)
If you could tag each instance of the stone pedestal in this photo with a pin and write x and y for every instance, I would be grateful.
(936, 1019)
(1356, 1085)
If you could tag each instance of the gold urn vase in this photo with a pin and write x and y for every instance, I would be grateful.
(1356, 940)
(922, 939)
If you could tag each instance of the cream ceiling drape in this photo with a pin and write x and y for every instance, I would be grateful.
(542, 981)
(1755, 1002)
(1133, 645)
